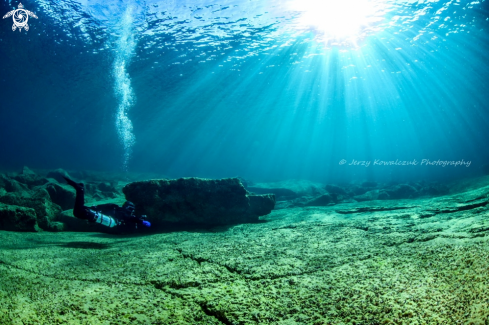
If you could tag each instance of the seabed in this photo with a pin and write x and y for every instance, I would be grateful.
(420, 261)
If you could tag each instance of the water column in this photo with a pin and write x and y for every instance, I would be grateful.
(124, 48)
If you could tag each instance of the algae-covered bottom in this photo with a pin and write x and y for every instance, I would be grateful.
(419, 261)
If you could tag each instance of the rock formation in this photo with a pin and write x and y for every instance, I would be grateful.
(197, 201)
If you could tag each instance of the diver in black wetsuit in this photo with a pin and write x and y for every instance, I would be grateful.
(110, 215)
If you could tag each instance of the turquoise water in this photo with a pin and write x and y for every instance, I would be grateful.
(266, 90)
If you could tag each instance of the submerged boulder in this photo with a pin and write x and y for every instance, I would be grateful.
(17, 218)
(11, 185)
(323, 200)
(62, 195)
(197, 201)
(434, 190)
(334, 189)
(326, 199)
(30, 178)
(45, 211)
(402, 191)
(373, 195)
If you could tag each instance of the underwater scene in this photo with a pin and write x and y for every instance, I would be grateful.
(244, 162)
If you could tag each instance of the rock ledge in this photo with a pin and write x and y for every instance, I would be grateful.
(197, 201)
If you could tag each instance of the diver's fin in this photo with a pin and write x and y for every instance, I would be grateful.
(76, 186)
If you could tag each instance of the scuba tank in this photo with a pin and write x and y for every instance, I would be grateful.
(104, 220)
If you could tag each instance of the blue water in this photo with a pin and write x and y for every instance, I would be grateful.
(266, 90)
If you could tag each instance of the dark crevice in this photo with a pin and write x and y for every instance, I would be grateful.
(158, 285)
(219, 315)
(372, 209)
(275, 277)
(285, 227)
(237, 272)
(461, 208)
(199, 260)
(364, 228)
(231, 270)
(472, 206)
(204, 306)
(478, 229)
(476, 199)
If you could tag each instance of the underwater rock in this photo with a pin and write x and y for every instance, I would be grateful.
(16, 218)
(39, 194)
(57, 226)
(322, 200)
(245, 182)
(11, 185)
(261, 205)
(334, 189)
(107, 187)
(64, 196)
(402, 191)
(283, 205)
(370, 209)
(107, 190)
(298, 202)
(327, 199)
(373, 195)
(100, 191)
(45, 210)
(30, 178)
(197, 201)
(26, 176)
(281, 194)
(434, 190)
(383, 195)
(358, 190)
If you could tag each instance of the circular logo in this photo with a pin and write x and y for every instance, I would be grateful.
(20, 18)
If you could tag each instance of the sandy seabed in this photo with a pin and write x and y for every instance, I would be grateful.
(423, 261)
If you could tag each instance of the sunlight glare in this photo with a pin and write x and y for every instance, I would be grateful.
(339, 22)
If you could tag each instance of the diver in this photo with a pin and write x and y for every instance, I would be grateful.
(110, 215)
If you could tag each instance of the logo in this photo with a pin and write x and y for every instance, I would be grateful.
(20, 17)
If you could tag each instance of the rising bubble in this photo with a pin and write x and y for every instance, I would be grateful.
(122, 84)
